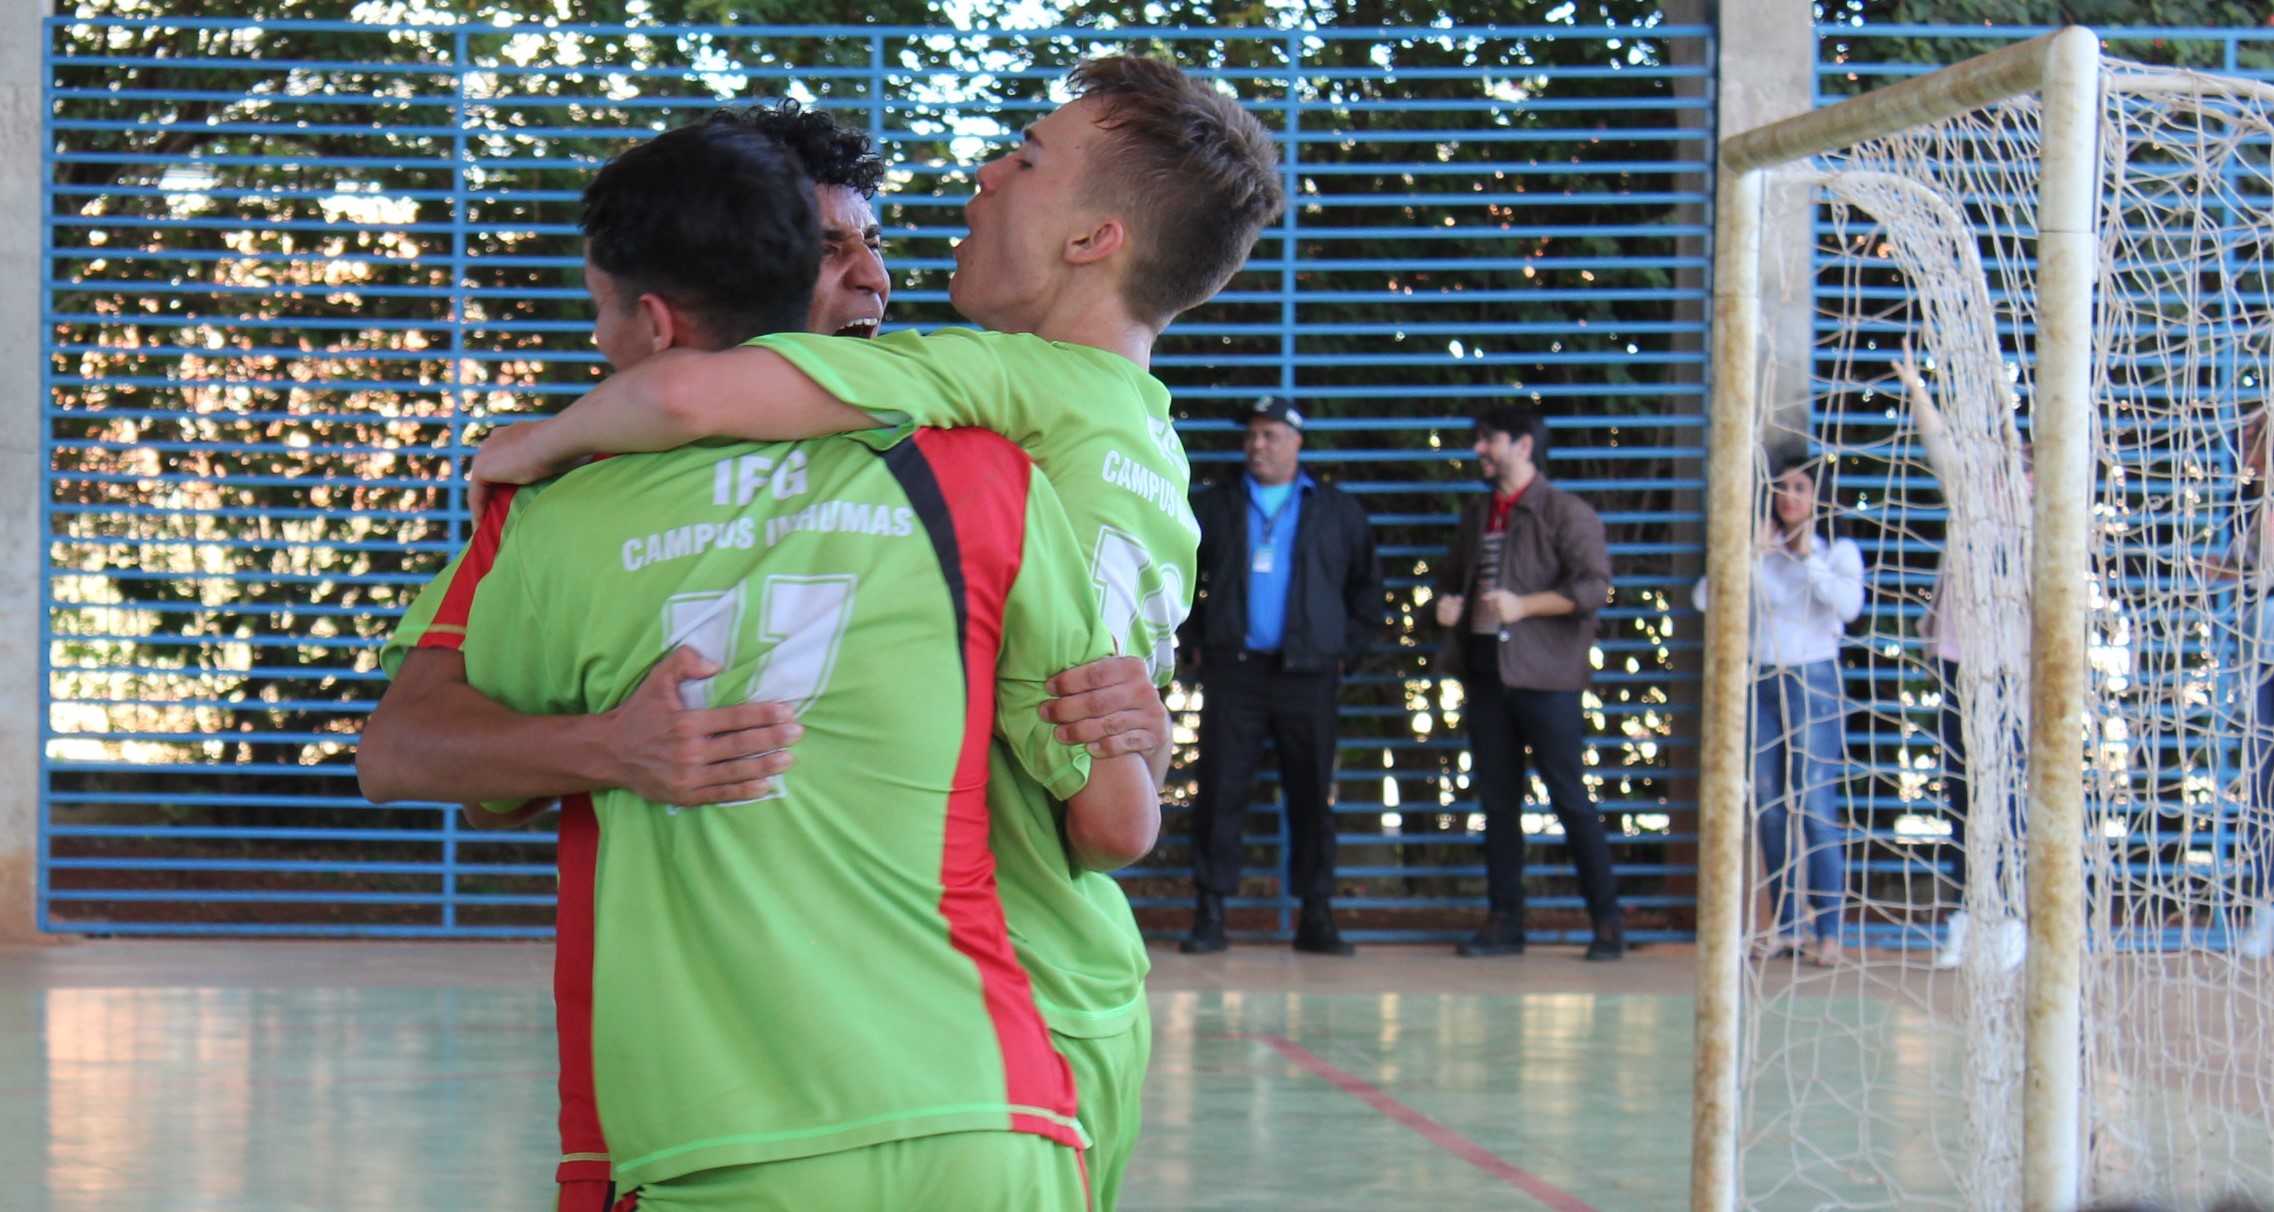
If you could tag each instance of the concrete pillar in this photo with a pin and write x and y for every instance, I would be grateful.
(1767, 71)
(22, 554)
(1688, 665)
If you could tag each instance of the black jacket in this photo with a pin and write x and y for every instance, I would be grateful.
(1335, 606)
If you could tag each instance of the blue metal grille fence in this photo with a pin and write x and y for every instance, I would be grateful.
(295, 265)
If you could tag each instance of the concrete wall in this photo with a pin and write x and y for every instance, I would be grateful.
(21, 560)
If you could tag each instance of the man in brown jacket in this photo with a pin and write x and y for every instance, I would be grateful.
(1526, 575)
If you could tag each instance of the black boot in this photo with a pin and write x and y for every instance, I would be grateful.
(1501, 934)
(1315, 932)
(1610, 939)
(1207, 937)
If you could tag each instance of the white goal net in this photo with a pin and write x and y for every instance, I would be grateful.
(1884, 945)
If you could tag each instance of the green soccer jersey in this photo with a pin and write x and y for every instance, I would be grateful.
(828, 968)
(1099, 428)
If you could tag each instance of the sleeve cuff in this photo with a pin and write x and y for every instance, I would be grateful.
(1071, 775)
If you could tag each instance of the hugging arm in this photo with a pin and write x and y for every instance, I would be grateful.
(434, 737)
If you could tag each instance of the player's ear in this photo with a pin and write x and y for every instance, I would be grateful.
(664, 326)
(1101, 240)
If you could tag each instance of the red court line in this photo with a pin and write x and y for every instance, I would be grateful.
(1430, 1130)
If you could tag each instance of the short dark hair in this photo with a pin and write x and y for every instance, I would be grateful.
(830, 152)
(1785, 460)
(1196, 176)
(1517, 419)
(717, 219)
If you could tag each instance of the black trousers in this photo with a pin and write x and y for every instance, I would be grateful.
(1249, 699)
(1505, 725)
(1950, 729)
(1958, 787)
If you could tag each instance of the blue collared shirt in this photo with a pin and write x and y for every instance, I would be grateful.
(1273, 515)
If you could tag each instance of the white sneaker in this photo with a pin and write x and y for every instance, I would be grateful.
(2257, 942)
(1778, 946)
(2013, 944)
(1953, 941)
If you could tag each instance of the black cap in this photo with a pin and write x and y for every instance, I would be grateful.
(1276, 408)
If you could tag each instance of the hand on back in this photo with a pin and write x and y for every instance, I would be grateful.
(669, 753)
(506, 457)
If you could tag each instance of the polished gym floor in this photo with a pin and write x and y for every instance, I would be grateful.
(260, 1077)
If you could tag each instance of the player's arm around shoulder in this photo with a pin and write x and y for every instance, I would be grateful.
(951, 378)
(1115, 818)
(665, 402)
(1054, 643)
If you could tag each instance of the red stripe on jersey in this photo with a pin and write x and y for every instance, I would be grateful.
(983, 481)
(448, 630)
(583, 1171)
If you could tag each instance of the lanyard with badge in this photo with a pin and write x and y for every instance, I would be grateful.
(1261, 560)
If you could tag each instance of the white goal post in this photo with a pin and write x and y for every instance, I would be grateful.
(2063, 71)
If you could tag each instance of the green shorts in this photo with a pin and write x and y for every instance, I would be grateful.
(955, 1172)
(1109, 1084)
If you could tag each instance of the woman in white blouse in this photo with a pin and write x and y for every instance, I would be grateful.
(1807, 586)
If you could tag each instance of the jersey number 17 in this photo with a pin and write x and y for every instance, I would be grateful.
(798, 629)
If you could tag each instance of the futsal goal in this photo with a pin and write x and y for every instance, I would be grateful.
(2049, 997)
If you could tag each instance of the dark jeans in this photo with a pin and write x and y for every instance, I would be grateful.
(1505, 725)
(1950, 729)
(1250, 699)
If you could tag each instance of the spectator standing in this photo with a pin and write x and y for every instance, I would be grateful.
(1947, 638)
(1526, 577)
(1807, 586)
(1288, 600)
(2247, 562)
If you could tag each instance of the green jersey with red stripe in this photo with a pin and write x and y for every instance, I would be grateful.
(1099, 427)
(830, 967)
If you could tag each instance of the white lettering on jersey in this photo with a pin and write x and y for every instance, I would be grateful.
(738, 480)
(800, 625)
(1124, 472)
(694, 539)
(1165, 440)
(1143, 622)
(844, 517)
(709, 623)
